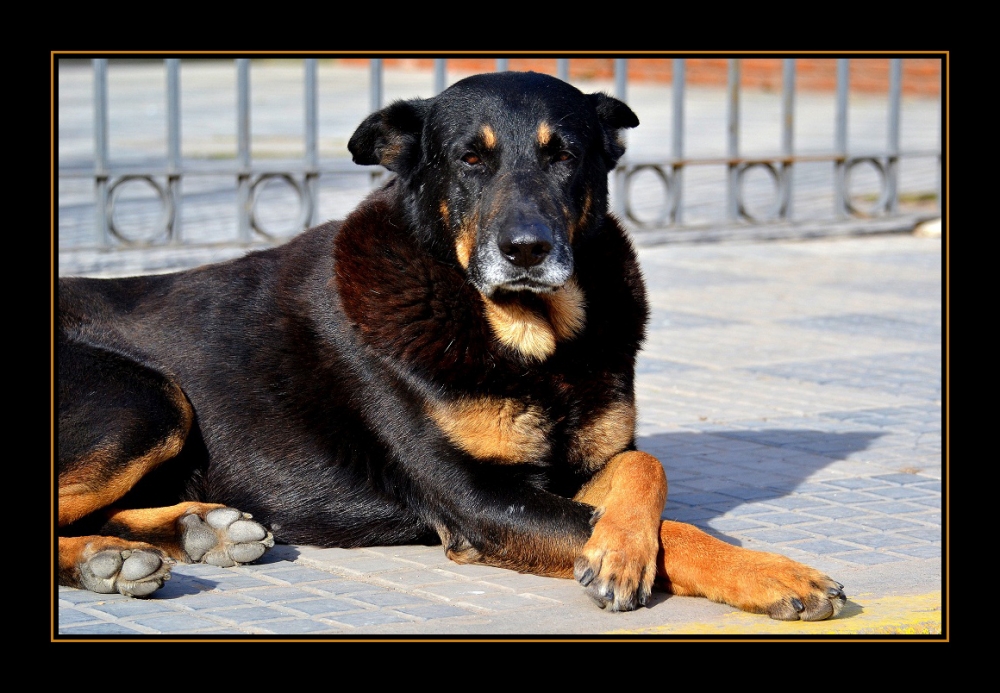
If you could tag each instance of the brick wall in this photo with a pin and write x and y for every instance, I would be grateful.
(921, 76)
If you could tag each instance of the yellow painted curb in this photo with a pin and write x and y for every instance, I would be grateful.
(862, 615)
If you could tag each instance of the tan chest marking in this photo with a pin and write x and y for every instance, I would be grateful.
(533, 335)
(494, 428)
(604, 436)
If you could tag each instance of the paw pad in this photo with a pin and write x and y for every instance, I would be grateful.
(134, 573)
(225, 537)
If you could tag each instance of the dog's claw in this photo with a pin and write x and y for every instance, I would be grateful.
(583, 573)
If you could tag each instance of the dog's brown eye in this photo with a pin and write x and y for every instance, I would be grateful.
(563, 156)
(472, 159)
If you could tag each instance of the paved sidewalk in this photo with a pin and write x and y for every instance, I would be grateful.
(792, 390)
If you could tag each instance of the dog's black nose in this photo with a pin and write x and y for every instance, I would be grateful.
(526, 245)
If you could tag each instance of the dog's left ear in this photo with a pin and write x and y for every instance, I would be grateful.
(390, 137)
(614, 115)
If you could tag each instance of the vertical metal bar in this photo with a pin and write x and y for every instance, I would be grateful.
(440, 67)
(375, 103)
(787, 135)
(101, 150)
(375, 84)
(243, 148)
(174, 163)
(840, 140)
(677, 145)
(733, 137)
(502, 64)
(621, 86)
(621, 78)
(892, 163)
(562, 69)
(312, 143)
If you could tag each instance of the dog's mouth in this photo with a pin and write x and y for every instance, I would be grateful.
(526, 284)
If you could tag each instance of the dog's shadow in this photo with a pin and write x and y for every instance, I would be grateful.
(721, 471)
(710, 474)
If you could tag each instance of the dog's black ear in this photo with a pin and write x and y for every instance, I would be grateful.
(614, 115)
(390, 137)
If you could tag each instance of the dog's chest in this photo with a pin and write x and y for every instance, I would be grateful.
(584, 432)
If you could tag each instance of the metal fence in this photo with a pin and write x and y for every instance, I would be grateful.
(147, 198)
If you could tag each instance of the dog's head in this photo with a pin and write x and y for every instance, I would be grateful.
(502, 173)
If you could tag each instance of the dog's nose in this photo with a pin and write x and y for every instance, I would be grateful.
(526, 245)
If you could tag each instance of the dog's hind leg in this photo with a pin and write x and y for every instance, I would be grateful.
(118, 420)
(135, 548)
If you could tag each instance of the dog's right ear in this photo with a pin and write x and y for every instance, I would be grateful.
(390, 137)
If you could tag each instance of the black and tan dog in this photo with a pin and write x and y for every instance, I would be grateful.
(452, 363)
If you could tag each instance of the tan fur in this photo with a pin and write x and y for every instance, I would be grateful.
(521, 329)
(629, 494)
(695, 564)
(465, 242)
(544, 133)
(567, 310)
(87, 487)
(489, 136)
(494, 428)
(533, 335)
(605, 435)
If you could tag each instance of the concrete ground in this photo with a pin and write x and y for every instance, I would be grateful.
(793, 391)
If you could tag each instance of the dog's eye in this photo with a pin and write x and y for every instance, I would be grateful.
(563, 156)
(472, 159)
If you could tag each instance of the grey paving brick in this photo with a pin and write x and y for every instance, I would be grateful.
(320, 606)
(70, 616)
(362, 619)
(431, 611)
(300, 626)
(177, 623)
(778, 535)
(100, 629)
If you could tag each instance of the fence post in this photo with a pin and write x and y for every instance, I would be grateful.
(620, 173)
(787, 137)
(677, 144)
(243, 149)
(840, 140)
(174, 162)
(101, 150)
(312, 143)
(733, 139)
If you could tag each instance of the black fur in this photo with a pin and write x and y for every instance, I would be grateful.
(311, 368)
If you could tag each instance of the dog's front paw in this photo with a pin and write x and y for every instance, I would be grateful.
(805, 594)
(132, 572)
(617, 566)
(223, 537)
(768, 583)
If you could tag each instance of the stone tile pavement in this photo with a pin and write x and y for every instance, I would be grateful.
(793, 391)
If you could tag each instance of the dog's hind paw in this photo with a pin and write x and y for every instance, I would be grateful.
(223, 537)
(134, 573)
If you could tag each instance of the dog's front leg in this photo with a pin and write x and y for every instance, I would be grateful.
(695, 564)
(617, 564)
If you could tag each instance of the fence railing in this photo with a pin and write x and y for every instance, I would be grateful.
(165, 178)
